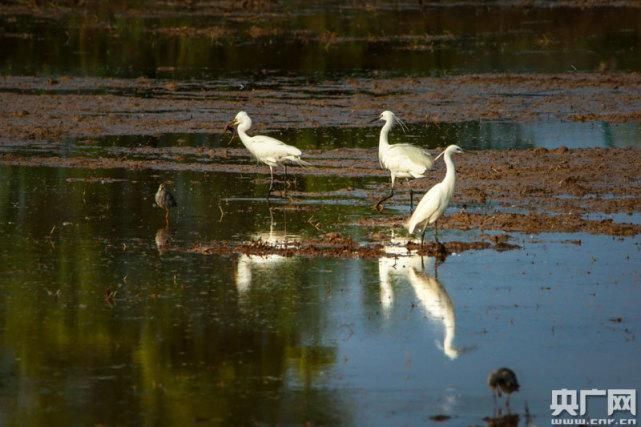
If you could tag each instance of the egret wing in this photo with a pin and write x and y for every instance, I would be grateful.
(268, 147)
(428, 206)
(408, 158)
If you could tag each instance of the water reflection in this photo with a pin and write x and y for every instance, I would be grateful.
(430, 292)
(162, 240)
(177, 348)
(264, 264)
(438, 306)
(476, 135)
(394, 267)
(325, 39)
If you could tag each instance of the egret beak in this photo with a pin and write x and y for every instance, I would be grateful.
(437, 157)
(374, 120)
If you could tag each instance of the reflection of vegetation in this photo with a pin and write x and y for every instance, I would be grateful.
(308, 362)
(176, 347)
(192, 40)
(474, 135)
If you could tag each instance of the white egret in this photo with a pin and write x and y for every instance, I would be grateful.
(266, 149)
(434, 202)
(402, 160)
(503, 380)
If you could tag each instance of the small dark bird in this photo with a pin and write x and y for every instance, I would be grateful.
(165, 200)
(503, 380)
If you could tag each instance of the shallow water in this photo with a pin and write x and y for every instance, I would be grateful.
(479, 135)
(100, 325)
(317, 39)
(469, 135)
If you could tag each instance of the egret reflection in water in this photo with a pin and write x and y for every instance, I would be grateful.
(438, 306)
(247, 265)
(390, 268)
(432, 295)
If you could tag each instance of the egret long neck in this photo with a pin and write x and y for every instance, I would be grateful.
(449, 322)
(450, 175)
(242, 133)
(383, 145)
(448, 341)
(382, 140)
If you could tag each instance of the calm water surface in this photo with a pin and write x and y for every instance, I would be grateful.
(469, 135)
(317, 39)
(477, 135)
(239, 340)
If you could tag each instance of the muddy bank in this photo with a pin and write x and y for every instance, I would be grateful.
(47, 109)
(531, 191)
(335, 246)
(524, 223)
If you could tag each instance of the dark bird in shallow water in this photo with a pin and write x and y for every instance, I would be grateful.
(165, 200)
(501, 381)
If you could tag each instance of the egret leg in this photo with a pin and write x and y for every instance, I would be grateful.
(411, 200)
(271, 182)
(423, 236)
(436, 232)
(436, 267)
(286, 179)
(379, 205)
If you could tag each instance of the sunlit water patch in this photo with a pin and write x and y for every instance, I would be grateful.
(93, 305)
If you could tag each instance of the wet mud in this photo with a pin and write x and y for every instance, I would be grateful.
(333, 245)
(46, 109)
(529, 191)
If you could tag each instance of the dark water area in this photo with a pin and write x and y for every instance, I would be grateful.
(99, 324)
(331, 39)
(470, 135)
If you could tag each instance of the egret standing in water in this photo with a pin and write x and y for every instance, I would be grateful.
(402, 160)
(434, 202)
(165, 200)
(266, 149)
(503, 380)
